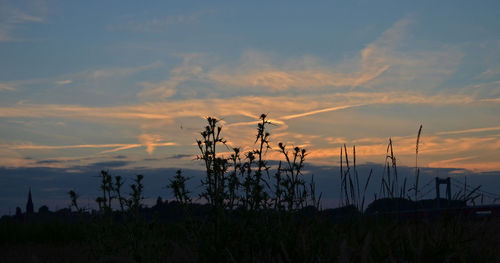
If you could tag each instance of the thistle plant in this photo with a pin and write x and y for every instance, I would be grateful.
(248, 180)
(215, 181)
(178, 186)
(234, 182)
(134, 202)
(294, 187)
(258, 194)
(278, 192)
(104, 201)
(117, 190)
(255, 185)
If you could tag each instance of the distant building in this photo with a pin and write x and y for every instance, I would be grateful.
(29, 204)
(19, 213)
(43, 209)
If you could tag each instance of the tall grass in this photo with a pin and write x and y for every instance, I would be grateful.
(350, 191)
(417, 170)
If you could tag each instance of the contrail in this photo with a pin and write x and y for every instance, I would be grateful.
(280, 121)
(496, 128)
(273, 121)
(288, 117)
(116, 147)
(53, 147)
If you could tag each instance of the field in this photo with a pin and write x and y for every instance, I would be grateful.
(251, 214)
(253, 238)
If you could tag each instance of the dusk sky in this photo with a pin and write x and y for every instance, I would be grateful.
(89, 82)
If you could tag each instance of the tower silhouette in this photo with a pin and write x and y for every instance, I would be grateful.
(445, 181)
(29, 204)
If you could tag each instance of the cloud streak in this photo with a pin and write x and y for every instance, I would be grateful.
(150, 146)
(294, 116)
(11, 18)
(6, 87)
(167, 88)
(63, 82)
(280, 106)
(160, 24)
(476, 130)
(380, 65)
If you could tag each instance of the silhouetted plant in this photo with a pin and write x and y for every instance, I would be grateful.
(278, 191)
(248, 180)
(234, 182)
(316, 201)
(74, 200)
(271, 237)
(117, 189)
(294, 187)
(255, 195)
(215, 181)
(390, 184)
(259, 196)
(136, 197)
(350, 191)
(104, 202)
(417, 170)
(178, 186)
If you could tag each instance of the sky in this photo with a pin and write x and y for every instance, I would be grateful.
(122, 84)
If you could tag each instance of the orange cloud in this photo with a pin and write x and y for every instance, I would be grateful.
(146, 140)
(279, 80)
(151, 141)
(469, 163)
(379, 65)
(54, 147)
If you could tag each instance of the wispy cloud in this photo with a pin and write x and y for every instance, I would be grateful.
(485, 129)
(167, 88)
(281, 120)
(149, 143)
(6, 87)
(491, 100)
(121, 72)
(258, 72)
(384, 72)
(286, 106)
(467, 151)
(55, 147)
(472, 163)
(77, 77)
(11, 18)
(490, 72)
(380, 65)
(158, 24)
(63, 82)
(279, 80)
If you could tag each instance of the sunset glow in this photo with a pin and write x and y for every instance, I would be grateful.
(84, 82)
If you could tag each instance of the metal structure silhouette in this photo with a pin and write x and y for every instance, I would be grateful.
(439, 182)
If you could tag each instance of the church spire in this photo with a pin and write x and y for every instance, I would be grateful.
(29, 204)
